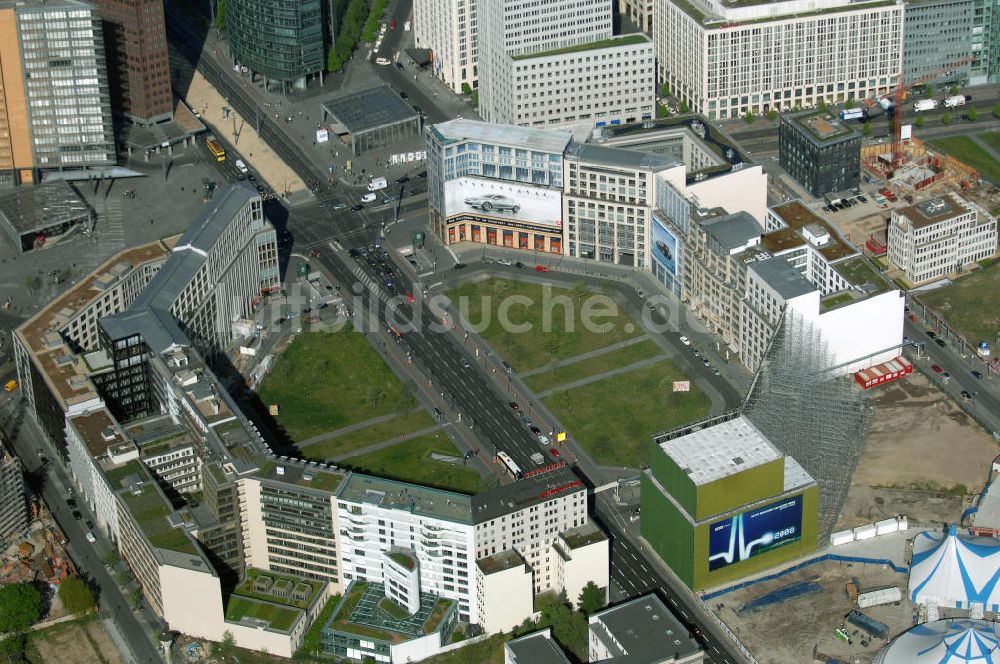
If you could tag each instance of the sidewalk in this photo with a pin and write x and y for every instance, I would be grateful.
(583, 356)
(641, 364)
(387, 443)
(350, 428)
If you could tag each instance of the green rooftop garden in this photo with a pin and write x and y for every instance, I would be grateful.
(246, 588)
(322, 480)
(280, 618)
(437, 615)
(150, 511)
(365, 612)
(393, 609)
(117, 475)
(624, 40)
(836, 300)
(577, 539)
(859, 272)
(402, 560)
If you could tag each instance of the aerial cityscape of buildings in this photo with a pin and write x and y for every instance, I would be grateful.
(550, 331)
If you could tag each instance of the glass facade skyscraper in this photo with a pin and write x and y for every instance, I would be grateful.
(281, 40)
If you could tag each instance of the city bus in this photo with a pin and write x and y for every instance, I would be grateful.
(509, 465)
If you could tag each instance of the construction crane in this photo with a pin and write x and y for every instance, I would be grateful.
(899, 95)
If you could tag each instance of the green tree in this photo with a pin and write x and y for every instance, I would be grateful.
(866, 129)
(955, 90)
(749, 118)
(946, 118)
(225, 648)
(375, 396)
(475, 98)
(972, 114)
(772, 115)
(665, 90)
(591, 599)
(579, 292)
(822, 104)
(996, 111)
(850, 103)
(553, 343)
(682, 106)
(75, 595)
(220, 15)
(661, 111)
(920, 121)
(466, 89)
(12, 648)
(20, 607)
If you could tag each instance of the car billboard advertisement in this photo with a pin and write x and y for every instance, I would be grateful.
(503, 199)
(664, 246)
(754, 532)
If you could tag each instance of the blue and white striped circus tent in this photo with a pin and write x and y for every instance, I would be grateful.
(960, 641)
(955, 571)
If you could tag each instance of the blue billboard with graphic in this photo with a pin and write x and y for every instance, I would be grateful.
(665, 247)
(754, 532)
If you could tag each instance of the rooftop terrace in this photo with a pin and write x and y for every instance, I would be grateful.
(797, 217)
(310, 475)
(583, 535)
(360, 612)
(150, 510)
(500, 561)
(862, 274)
(98, 431)
(932, 211)
(414, 498)
(274, 616)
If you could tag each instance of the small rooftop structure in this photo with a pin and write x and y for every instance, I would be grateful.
(733, 232)
(822, 126)
(782, 277)
(643, 631)
(534, 648)
(803, 226)
(500, 562)
(32, 217)
(183, 125)
(373, 117)
(620, 157)
(416, 499)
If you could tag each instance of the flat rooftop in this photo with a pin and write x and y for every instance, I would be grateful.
(308, 474)
(151, 510)
(537, 487)
(732, 231)
(540, 140)
(361, 612)
(98, 431)
(536, 648)
(27, 209)
(720, 449)
(861, 274)
(822, 127)
(413, 498)
(620, 157)
(500, 561)
(932, 211)
(645, 631)
(362, 110)
(797, 217)
(782, 277)
(611, 42)
(584, 535)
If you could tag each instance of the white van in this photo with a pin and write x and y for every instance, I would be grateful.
(377, 183)
(243, 167)
(368, 198)
(382, 61)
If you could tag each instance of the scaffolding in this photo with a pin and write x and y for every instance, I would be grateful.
(811, 412)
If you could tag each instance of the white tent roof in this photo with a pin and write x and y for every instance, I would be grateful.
(954, 571)
(945, 642)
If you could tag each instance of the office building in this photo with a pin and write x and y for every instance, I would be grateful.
(821, 151)
(135, 35)
(641, 631)
(13, 498)
(280, 40)
(985, 42)
(533, 72)
(720, 501)
(608, 198)
(639, 12)
(938, 33)
(56, 103)
(449, 29)
(726, 60)
(940, 236)
(496, 185)
(535, 648)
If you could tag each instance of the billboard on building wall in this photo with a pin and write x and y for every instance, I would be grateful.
(664, 246)
(503, 200)
(754, 532)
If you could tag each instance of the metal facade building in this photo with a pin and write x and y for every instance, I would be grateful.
(820, 151)
(282, 40)
(938, 33)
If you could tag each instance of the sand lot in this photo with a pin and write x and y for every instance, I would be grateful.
(922, 451)
(75, 643)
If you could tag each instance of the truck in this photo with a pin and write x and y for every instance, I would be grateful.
(215, 147)
(537, 458)
(377, 183)
(955, 101)
(854, 114)
(879, 596)
(925, 105)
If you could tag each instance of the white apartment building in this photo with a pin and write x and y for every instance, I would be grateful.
(435, 527)
(940, 236)
(726, 61)
(608, 199)
(449, 29)
(558, 63)
(640, 12)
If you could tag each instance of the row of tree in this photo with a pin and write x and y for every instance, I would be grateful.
(21, 607)
(351, 25)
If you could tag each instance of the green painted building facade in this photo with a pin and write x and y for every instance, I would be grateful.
(680, 511)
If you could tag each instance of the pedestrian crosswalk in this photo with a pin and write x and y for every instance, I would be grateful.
(109, 234)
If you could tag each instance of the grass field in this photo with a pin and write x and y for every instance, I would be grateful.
(971, 305)
(549, 338)
(410, 461)
(376, 433)
(991, 138)
(325, 381)
(615, 418)
(968, 152)
(578, 370)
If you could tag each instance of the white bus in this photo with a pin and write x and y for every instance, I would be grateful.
(509, 464)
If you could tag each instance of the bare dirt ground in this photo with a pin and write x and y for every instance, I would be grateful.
(787, 633)
(86, 643)
(923, 457)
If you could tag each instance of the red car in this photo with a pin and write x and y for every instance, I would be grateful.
(553, 451)
(936, 368)
(541, 268)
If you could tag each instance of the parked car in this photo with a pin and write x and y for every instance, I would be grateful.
(513, 405)
(399, 65)
(458, 266)
(77, 515)
(931, 334)
(685, 341)
(554, 452)
(936, 368)
(90, 537)
(939, 342)
(966, 395)
(402, 179)
(382, 61)
(534, 429)
(978, 375)
(505, 261)
(368, 198)
(541, 268)
(357, 208)
(543, 439)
